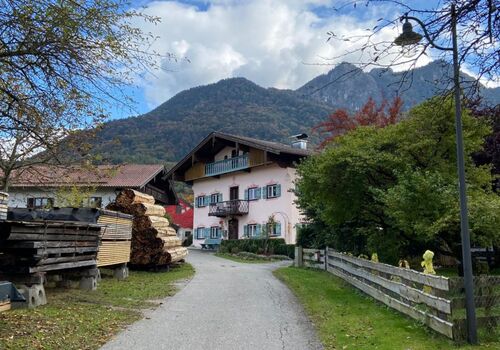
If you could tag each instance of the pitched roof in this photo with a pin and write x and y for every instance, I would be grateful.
(276, 148)
(184, 218)
(125, 175)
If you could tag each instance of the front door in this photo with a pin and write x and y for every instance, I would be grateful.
(232, 229)
(234, 193)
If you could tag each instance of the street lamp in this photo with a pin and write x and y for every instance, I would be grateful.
(409, 37)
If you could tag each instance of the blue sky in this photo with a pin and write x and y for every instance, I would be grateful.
(275, 43)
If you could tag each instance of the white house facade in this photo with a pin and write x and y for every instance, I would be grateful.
(242, 188)
(48, 186)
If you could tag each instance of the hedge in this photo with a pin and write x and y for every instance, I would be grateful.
(275, 246)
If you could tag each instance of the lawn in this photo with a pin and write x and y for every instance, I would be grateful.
(346, 319)
(75, 319)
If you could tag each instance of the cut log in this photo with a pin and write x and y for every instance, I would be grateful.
(128, 197)
(171, 241)
(148, 209)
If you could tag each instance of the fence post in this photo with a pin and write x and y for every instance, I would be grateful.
(326, 258)
(298, 257)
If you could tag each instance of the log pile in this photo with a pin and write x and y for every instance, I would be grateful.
(30, 247)
(116, 234)
(154, 241)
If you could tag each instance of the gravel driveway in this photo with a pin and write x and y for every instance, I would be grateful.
(227, 305)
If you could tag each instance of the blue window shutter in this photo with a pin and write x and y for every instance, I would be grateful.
(207, 200)
(278, 228)
(207, 232)
(264, 192)
(278, 190)
(246, 194)
(258, 192)
(245, 230)
(219, 197)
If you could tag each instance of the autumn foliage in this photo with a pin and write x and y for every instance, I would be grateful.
(341, 122)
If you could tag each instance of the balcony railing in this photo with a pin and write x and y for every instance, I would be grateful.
(227, 165)
(228, 208)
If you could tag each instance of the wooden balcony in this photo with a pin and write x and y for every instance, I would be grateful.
(233, 207)
(201, 169)
(227, 165)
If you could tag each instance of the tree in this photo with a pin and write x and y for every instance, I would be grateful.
(393, 189)
(341, 121)
(62, 65)
(477, 22)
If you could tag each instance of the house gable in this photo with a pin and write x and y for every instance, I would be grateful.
(221, 153)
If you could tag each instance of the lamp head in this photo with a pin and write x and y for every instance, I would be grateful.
(408, 37)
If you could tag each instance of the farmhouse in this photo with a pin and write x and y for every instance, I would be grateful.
(46, 186)
(238, 184)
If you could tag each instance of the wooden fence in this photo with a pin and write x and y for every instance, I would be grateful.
(440, 306)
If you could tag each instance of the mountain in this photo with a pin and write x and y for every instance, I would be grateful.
(241, 107)
(347, 86)
(234, 105)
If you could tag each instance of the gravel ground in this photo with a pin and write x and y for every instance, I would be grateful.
(227, 305)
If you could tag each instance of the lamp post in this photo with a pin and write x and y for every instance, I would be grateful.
(409, 37)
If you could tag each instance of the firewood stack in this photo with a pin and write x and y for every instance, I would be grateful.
(154, 241)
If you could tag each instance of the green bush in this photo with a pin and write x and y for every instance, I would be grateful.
(257, 246)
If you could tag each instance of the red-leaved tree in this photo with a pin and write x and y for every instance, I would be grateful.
(341, 122)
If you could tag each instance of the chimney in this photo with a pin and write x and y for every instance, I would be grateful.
(299, 141)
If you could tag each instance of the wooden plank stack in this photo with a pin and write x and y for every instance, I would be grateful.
(4, 197)
(154, 241)
(41, 246)
(116, 235)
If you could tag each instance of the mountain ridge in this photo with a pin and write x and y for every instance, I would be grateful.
(239, 106)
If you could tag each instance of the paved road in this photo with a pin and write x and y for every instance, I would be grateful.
(226, 306)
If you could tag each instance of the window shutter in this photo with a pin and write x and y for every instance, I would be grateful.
(207, 232)
(207, 200)
(278, 228)
(278, 190)
(246, 194)
(219, 197)
(258, 230)
(257, 193)
(264, 192)
(245, 230)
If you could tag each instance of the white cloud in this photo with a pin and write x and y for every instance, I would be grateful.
(269, 42)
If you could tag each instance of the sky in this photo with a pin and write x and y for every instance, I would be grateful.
(274, 43)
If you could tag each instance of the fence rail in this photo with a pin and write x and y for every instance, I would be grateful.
(438, 305)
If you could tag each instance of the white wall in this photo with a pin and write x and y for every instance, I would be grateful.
(282, 207)
(18, 198)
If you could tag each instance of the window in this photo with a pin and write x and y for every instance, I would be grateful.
(252, 230)
(200, 233)
(216, 198)
(95, 202)
(40, 203)
(200, 201)
(215, 232)
(275, 230)
(253, 193)
(273, 191)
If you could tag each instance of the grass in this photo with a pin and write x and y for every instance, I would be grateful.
(75, 319)
(347, 319)
(246, 259)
